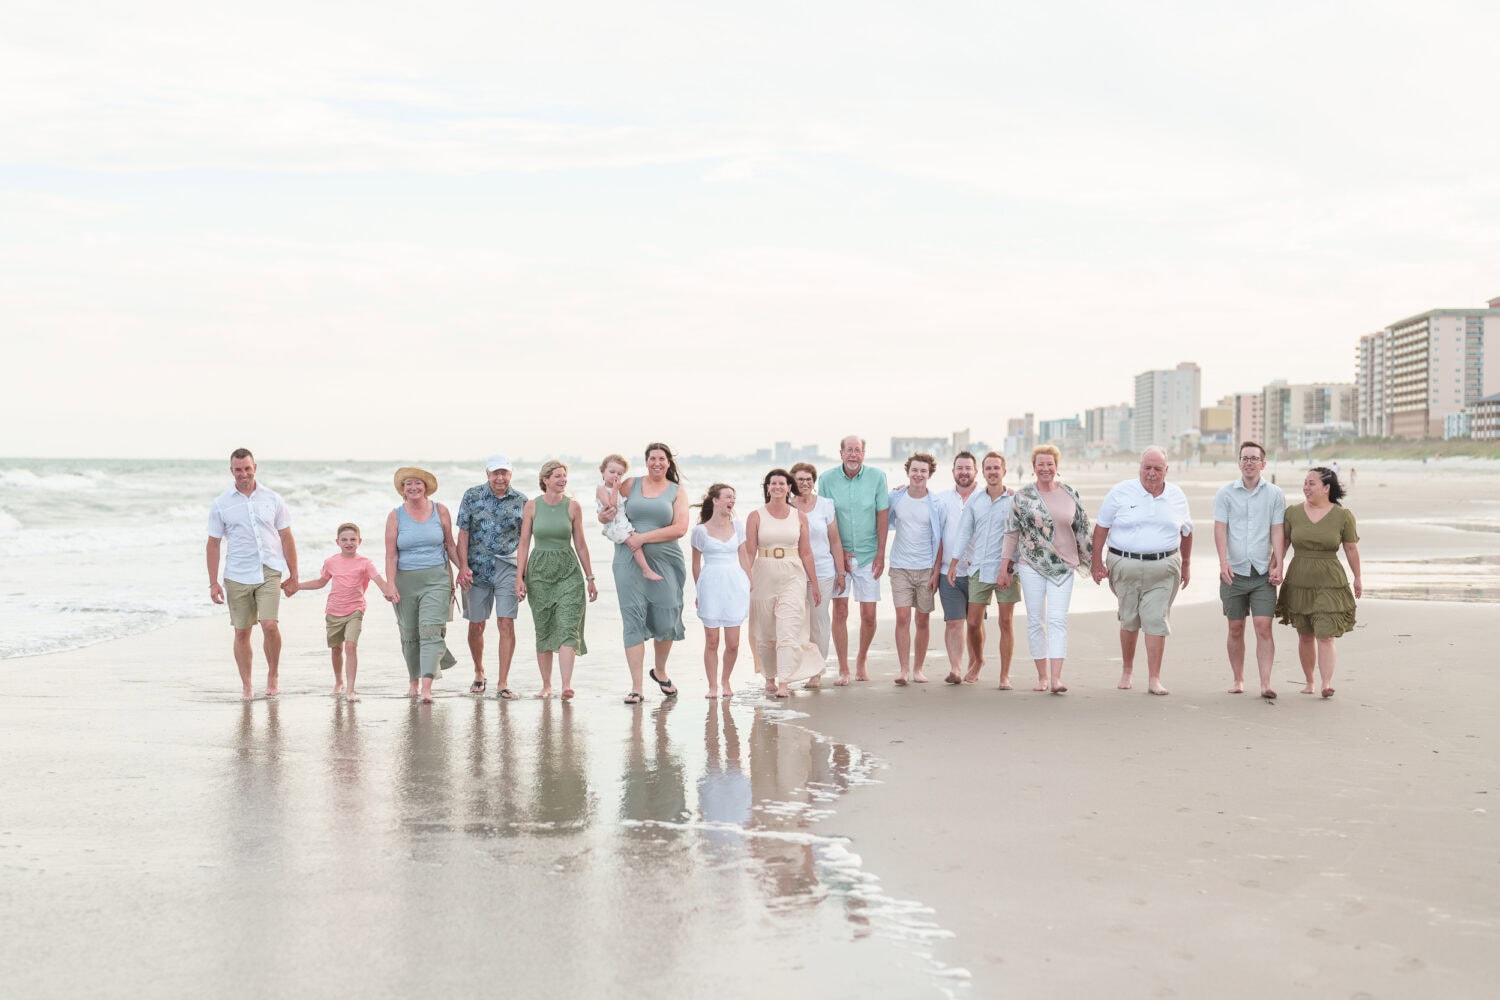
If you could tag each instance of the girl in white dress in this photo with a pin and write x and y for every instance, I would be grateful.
(722, 576)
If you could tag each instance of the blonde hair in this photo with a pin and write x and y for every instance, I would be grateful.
(613, 460)
(995, 454)
(1046, 449)
(348, 526)
(548, 467)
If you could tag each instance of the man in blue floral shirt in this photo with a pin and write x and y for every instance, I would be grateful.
(489, 530)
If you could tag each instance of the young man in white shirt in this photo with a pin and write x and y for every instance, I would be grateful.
(260, 565)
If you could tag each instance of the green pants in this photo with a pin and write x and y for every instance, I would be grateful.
(422, 614)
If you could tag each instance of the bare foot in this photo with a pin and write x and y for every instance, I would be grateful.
(1003, 686)
(972, 677)
(919, 677)
(1328, 692)
(843, 680)
(728, 691)
(1308, 689)
(338, 689)
(1239, 688)
(1156, 687)
(411, 692)
(543, 693)
(1059, 689)
(652, 575)
(771, 688)
(713, 694)
(860, 673)
(247, 695)
(1268, 694)
(953, 678)
(1124, 684)
(901, 681)
(427, 699)
(272, 692)
(813, 683)
(782, 691)
(1042, 685)
(351, 697)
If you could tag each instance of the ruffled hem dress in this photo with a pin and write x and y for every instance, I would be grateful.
(1315, 597)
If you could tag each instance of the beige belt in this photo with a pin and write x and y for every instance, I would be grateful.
(777, 553)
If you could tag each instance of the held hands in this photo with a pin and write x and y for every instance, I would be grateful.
(466, 578)
(390, 594)
(216, 592)
(1098, 572)
(1275, 576)
(289, 587)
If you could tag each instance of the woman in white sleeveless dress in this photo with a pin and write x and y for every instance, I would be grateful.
(723, 582)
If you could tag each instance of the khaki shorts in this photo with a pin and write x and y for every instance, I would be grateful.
(344, 628)
(910, 589)
(980, 592)
(1145, 590)
(253, 602)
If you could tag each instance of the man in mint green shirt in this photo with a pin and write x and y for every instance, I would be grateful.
(860, 501)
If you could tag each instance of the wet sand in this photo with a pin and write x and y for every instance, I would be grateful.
(159, 838)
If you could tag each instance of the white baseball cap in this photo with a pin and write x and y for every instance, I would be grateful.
(498, 462)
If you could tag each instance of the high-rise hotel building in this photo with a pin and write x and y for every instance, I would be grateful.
(1415, 372)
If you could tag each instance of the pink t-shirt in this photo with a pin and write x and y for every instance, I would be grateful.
(350, 577)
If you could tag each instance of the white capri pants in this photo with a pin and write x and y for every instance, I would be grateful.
(1046, 612)
(820, 616)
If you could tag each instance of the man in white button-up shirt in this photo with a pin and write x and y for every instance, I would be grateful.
(1143, 541)
(260, 565)
(1249, 532)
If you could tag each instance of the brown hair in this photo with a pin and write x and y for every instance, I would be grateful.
(241, 453)
(348, 526)
(1253, 444)
(804, 467)
(706, 505)
(995, 454)
(922, 456)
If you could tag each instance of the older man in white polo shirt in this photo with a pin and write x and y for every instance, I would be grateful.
(261, 564)
(1143, 541)
(1250, 534)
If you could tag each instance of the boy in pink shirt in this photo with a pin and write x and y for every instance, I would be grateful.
(350, 573)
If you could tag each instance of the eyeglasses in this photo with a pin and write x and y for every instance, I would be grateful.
(1251, 460)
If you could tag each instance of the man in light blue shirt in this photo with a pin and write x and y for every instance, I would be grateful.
(1249, 532)
(861, 502)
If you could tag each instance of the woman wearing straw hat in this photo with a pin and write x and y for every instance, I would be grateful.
(418, 546)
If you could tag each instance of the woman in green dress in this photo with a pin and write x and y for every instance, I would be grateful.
(651, 609)
(1315, 597)
(549, 578)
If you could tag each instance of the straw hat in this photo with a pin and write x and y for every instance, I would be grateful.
(412, 472)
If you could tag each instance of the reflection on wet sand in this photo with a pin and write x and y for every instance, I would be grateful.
(255, 821)
(560, 801)
(424, 790)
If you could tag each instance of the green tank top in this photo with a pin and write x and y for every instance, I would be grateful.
(551, 528)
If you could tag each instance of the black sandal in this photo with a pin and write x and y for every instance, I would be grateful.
(478, 686)
(634, 698)
(664, 685)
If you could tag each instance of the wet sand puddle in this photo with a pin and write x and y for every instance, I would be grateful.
(1474, 579)
(681, 848)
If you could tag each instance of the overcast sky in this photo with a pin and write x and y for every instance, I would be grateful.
(387, 230)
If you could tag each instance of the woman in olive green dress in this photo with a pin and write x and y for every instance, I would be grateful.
(548, 577)
(1315, 596)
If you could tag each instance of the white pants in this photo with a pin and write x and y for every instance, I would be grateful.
(1046, 612)
(820, 616)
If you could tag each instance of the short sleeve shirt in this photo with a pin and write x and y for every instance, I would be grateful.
(1141, 523)
(856, 502)
(350, 578)
(1248, 516)
(494, 527)
(250, 526)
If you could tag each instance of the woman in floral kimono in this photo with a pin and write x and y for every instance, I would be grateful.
(1047, 540)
